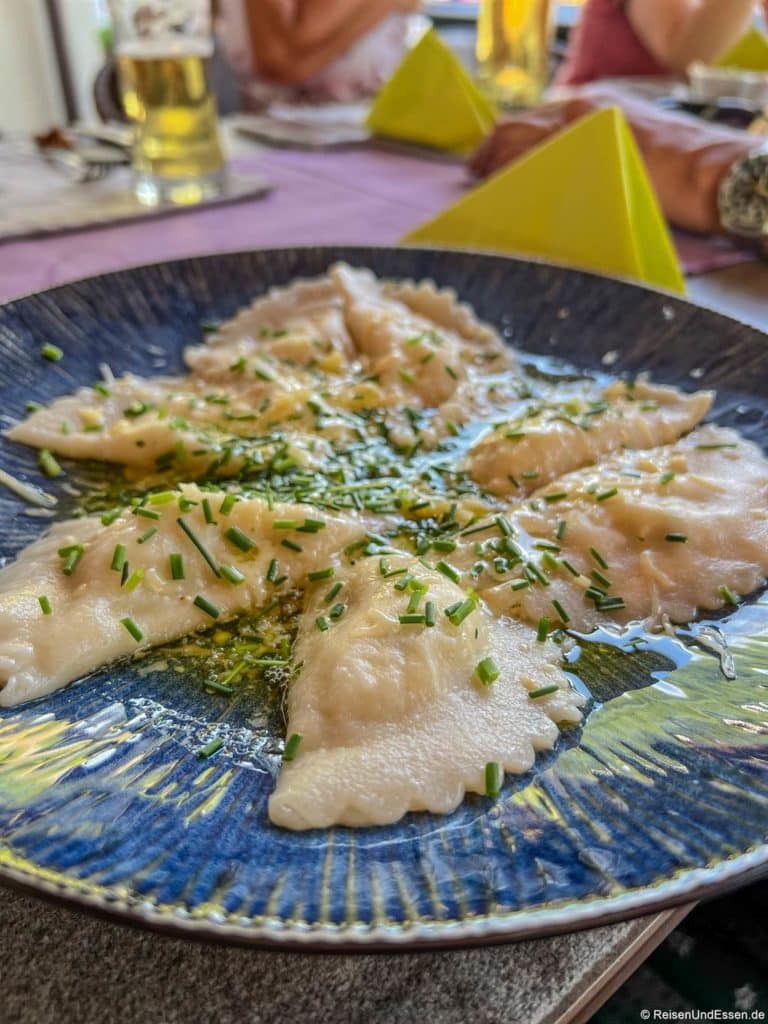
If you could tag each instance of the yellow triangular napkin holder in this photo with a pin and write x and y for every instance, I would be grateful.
(431, 100)
(749, 54)
(583, 199)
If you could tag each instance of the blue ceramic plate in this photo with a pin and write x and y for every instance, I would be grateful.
(659, 798)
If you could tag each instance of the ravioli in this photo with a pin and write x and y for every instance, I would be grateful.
(551, 438)
(666, 533)
(111, 589)
(394, 718)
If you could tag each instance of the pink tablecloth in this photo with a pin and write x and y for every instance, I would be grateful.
(365, 196)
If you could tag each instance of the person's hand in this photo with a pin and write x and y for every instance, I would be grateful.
(686, 158)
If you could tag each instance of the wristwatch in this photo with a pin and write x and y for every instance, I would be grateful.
(743, 198)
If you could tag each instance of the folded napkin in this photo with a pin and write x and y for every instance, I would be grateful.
(583, 198)
(749, 54)
(431, 100)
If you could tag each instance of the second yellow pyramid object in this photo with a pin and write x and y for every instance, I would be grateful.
(431, 100)
(749, 54)
(583, 198)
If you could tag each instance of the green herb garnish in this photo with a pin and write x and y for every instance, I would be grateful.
(133, 629)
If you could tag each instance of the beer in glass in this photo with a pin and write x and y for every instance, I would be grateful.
(164, 50)
(513, 40)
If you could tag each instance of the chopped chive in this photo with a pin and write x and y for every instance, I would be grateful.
(233, 575)
(552, 498)
(211, 684)
(147, 535)
(537, 574)
(311, 526)
(125, 574)
(239, 365)
(520, 585)
(337, 611)
(321, 574)
(448, 570)
(444, 545)
(162, 498)
(667, 478)
(494, 778)
(241, 540)
(676, 538)
(208, 512)
(530, 475)
(292, 746)
(714, 447)
(109, 517)
(543, 691)
(146, 513)
(598, 558)
(571, 569)
(728, 595)
(562, 526)
(605, 495)
(118, 558)
(322, 623)
(33, 406)
(210, 747)
(412, 620)
(542, 631)
(611, 604)
(292, 545)
(457, 612)
(273, 570)
(602, 580)
(177, 567)
(285, 524)
(133, 629)
(227, 505)
(210, 327)
(201, 547)
(550, 562)
(136, 409)
(51, 352)
(504, 525)
(133, 580)
(206, 606)
(403, 582)
(333, 592)
(45, 604)
(48, 464)
(487, 671)
(562, 613)
(71, 556)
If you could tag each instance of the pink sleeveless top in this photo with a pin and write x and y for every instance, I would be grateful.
(604, 45)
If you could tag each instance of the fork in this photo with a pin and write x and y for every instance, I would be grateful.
(79, 169)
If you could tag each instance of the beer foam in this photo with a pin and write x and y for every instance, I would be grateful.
(165, 47)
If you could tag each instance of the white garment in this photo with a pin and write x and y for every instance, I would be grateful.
(360, 72)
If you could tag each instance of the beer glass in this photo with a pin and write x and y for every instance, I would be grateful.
(513, 40)
(164, 50)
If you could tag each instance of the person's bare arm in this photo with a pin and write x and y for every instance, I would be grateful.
(293, 39)
(678, 32)
(686, 159)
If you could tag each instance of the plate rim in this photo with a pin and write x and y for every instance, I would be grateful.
(686, 886)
